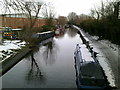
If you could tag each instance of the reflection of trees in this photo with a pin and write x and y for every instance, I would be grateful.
(61, 34)
(72, 32)
(34, 72)
(49, 53)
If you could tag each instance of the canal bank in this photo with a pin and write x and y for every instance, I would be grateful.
(7, 64)
(50, 66)
(107, 58)
(14, 59)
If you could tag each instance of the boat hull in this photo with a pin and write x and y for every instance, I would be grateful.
(89, 74)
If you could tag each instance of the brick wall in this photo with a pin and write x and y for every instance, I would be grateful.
(1, 19)
(19, 22)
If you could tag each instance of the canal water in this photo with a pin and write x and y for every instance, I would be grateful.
(50, 66)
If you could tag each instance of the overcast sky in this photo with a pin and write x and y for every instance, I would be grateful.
(64, 7)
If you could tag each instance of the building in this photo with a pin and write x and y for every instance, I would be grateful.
(62, 20)
(18, 21)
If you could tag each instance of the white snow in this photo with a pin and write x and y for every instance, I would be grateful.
(8, 48)
(95, 37)
(103, 60)
(107, 69)
(112, 46)
(101, 57)
(86, 55)
(107, 43)
(45, 32)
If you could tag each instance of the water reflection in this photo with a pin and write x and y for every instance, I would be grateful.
(34, 72)
(61, 35)
(51, 65)
(49, 54)
(72, 32)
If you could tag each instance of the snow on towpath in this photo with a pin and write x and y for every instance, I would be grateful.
(10, 47)
(108, 57)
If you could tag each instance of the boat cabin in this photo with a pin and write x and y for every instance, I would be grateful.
(89, 74)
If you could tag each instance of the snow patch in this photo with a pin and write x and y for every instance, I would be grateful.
(101, 58)
(9, 48)
(86, 55)
(103, 62)
(112, 46)
(107, 70)
(95, 37)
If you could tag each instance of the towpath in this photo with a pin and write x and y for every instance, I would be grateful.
(110, 55)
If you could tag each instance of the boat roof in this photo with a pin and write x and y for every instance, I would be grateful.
(17, 29)
(91, 69)
(86, 55)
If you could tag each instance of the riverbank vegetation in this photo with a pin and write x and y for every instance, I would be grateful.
(31, 12)
(10, 48)
(104, 21)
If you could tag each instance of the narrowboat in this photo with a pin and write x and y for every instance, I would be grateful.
(57, 32)
(89, 74)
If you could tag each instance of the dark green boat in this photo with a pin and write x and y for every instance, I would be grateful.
(89, 73)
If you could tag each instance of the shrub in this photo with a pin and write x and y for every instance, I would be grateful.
(46, 28)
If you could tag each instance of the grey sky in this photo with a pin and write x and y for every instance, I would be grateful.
(64, 7)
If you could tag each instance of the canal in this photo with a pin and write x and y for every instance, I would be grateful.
(51, 65)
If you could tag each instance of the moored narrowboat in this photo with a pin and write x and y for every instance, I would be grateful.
(89, 74)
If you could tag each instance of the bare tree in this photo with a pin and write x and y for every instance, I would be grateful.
(95, 13)
(107, 9)
(117, 9)
(48, 12)
(72, 17)
(1, 6)
(62, 20)
(29, 10)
